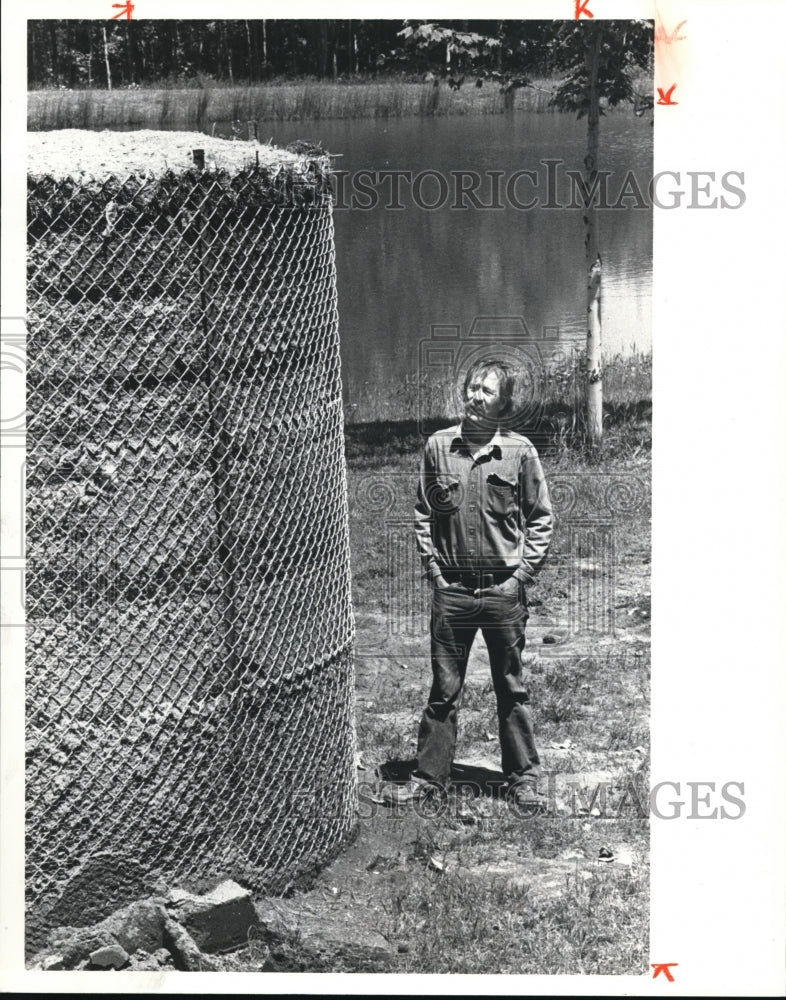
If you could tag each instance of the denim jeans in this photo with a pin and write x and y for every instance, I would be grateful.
(456, 616)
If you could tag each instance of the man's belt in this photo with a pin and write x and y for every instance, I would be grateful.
(477, 579)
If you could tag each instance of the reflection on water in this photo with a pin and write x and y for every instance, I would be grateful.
(401, 271)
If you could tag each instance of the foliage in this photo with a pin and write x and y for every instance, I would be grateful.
(509, 50)
(71, 53)
(428, 45)
(625, 46)
(499, 50)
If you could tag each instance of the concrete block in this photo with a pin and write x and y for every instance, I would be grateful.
(220, 920)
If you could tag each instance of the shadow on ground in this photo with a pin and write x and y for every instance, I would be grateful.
(466, 778)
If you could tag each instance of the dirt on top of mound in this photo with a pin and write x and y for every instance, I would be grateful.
(79, 152)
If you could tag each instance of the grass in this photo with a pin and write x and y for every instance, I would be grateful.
(201, 109)
(374, 427)
(460, 925)
(500, 894)
(476, 889)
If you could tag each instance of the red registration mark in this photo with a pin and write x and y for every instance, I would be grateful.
(122, 8)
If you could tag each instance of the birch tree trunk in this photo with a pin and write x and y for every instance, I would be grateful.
(228, 54)
(592, 256)
(250, 52)
(106, 62)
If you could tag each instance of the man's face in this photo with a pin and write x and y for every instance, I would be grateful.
(483, 403)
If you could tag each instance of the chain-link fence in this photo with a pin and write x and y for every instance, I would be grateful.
(189, 670)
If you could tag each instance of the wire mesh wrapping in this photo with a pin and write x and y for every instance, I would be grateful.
(189, 649)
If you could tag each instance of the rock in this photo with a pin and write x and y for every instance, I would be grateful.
(144, 930)
(47, 961)
(141, 961)
(185, 952)
(336, 941)
(219, 920)
(110, 957)
(140, 925)
(163, 957)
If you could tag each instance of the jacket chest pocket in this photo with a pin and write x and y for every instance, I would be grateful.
(445, 496)
(501, 496)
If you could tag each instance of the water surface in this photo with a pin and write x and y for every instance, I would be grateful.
(402, 271)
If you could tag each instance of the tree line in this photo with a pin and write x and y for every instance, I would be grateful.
(597, 62)
(93, 53)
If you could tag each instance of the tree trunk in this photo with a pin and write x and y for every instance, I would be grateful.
(129, 74)
(72, 46)
(133, 50)
(177, 61)
(55, 58)
(249, 52)
(592, 255)
(227, 53)
(323, 49)
(106, 62)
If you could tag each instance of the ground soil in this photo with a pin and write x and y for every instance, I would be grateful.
(591, 705)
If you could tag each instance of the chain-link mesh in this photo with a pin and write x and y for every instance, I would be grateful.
(189, 671)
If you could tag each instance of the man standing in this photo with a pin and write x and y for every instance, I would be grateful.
(483, 524)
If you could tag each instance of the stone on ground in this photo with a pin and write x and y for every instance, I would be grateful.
(339, 941)
(111, 956)
(219, 920)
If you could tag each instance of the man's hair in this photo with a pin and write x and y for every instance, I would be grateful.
(503, 371)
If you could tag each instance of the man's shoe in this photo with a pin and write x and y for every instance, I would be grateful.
(527, 800)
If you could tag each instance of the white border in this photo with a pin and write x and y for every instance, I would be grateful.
(717, 905)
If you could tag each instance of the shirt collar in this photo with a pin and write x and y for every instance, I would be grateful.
(493, 448)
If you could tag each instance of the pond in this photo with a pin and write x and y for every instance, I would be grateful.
(443, 258)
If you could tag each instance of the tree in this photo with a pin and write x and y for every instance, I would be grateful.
(434, 44)
(106, 59)
(600, 59)
(499, 50)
